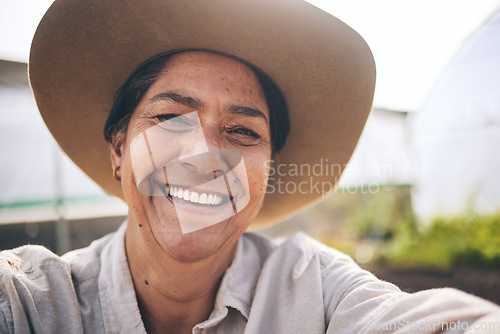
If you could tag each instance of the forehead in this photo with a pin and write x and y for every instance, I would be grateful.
(199, 61)
(208, 73)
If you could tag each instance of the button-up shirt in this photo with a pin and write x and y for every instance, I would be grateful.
(297, 285)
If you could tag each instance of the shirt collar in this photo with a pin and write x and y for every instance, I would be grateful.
(238, 284)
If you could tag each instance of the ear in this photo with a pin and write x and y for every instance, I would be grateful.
(116, 149)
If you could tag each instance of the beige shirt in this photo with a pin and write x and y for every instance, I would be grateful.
(297, 286)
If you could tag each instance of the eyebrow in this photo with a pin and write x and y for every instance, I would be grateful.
(196, 104)
(177, 98)
(247, 111)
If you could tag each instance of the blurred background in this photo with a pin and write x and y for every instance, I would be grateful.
(419, 203)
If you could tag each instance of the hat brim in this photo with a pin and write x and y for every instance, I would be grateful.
(83, 51)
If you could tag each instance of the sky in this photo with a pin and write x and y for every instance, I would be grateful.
(412, 40)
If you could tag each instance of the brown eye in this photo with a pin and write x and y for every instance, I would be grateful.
(243, 136)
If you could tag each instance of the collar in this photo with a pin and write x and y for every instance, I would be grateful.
(237, 288)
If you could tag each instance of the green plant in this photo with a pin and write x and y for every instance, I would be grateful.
(468, 239)
(378, 215)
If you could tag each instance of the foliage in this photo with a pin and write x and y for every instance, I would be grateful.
(468, 239)
(386, 219)
(380, 214)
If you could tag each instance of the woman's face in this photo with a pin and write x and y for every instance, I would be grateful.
(193, 162)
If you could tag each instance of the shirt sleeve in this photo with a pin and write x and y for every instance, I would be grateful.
(358, 302)
(375, 307)
(489, 324)
(3, 323)
(431, 311)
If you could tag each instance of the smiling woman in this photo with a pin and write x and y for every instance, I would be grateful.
(210, 93)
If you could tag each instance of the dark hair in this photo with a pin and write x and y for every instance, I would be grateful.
(132, 92)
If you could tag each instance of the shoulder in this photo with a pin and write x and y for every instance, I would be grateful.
(26, 259)
(299, 251)
(34, 266)
(34, 283)
(302, 257)
(39, 289)
(308, 281)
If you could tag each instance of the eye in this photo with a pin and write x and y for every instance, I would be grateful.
(175, 123)
(243, 136)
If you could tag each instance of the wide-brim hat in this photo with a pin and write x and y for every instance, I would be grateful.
(84, 51)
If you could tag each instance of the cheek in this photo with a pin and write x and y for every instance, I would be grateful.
(129, 187)
(258, 173)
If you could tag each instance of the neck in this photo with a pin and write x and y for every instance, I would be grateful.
(173, 296)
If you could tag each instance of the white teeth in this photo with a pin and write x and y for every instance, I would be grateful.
(203, 199)
(194, 197)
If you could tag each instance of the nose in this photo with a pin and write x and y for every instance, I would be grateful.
(202, 153)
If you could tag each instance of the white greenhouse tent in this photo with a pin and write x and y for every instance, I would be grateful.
(456, 135)
(38, 182)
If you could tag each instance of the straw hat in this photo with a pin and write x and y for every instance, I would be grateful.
(84, 50)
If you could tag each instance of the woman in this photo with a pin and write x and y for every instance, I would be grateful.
(226, 90)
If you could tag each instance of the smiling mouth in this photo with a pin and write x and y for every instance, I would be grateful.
(193, 197)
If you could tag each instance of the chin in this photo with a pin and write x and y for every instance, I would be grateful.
(164, 230)
(197, 245)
